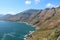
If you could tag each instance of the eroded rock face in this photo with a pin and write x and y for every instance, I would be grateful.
(46, 20)
(58, 38)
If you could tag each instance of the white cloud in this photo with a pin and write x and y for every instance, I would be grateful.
(37, 1)
(51, 5)
(11, 13)
(57, 6)
(27, 2)
(8, 12)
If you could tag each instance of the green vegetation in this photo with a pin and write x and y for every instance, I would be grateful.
(47, 20)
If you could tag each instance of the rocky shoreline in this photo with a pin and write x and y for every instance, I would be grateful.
(29, 35)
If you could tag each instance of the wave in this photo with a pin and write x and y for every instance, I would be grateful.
(30, 33)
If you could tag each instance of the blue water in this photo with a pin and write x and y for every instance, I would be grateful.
(14, 30)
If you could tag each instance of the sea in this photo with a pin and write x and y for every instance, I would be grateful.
(14, 30)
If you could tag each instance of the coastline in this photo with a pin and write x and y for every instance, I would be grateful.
(29, 24)
(28, 35)
(30, 32)
(36, 27)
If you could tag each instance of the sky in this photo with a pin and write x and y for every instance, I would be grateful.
(16, 6)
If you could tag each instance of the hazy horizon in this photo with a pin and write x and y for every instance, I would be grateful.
(16, 6)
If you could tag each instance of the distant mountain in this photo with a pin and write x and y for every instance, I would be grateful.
(8, 15)
(47, 22)
(1, 15)
(23, 16)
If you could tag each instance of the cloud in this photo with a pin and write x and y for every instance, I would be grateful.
(27, 2)
(11, 13)
(8, 12)
(37, 1)
(57, 6)
(51, 5)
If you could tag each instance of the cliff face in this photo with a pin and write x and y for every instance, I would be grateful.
(23, 16)
(47, 20)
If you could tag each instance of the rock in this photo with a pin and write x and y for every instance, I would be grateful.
(58, 38)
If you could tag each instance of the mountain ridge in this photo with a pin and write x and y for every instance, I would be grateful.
(47, 20)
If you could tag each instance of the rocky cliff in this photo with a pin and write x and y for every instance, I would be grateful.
(47, 21)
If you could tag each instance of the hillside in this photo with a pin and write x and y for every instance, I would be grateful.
(47, 21)
(22, 16)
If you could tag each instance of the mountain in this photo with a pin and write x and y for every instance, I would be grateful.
(1, 15)
(22, 16)
(47, 22)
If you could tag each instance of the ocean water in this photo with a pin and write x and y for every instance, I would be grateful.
(14, 30)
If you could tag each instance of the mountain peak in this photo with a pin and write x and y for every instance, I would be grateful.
(47, 22)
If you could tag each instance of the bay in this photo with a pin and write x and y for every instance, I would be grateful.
(14, 30)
